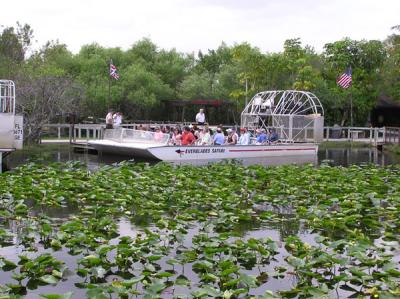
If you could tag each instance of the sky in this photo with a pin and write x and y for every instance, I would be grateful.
(193, 25)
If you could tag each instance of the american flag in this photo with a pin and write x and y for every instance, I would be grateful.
(345, 79)
(113, 72)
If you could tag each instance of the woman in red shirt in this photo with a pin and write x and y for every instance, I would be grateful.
(187, 137)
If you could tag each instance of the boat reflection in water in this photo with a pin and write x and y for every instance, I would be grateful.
(268, 161)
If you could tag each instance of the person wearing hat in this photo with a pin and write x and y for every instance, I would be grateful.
(219, 137)
(244, 137)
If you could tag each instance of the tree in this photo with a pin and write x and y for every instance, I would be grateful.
(14, 43)
(41, 99)
(196, 86)
(390, 74)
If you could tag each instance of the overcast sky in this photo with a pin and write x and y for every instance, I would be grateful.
(194, 25)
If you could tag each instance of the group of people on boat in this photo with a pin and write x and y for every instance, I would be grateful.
(113, 119)
(199, 133)
(204, 135)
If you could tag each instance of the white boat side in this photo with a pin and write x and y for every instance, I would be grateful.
(202, 152)
(182, 153)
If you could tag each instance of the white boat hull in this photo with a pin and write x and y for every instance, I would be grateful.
(189, 153)
(181, 153)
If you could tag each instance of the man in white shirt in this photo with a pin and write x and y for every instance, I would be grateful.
(244, 137)
(117, 119)
(201, 117)
(109, 120)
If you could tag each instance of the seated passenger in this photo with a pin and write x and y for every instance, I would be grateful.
(187, 137)
(219, 137)
(176, 137)
(244, 137)
(232, 136)
(273, 136)
(205, 137)
(158, 135)
(261, 136)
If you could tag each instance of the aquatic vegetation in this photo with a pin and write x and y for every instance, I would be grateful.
(221, 230)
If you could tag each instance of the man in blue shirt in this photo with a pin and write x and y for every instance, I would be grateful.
(273, 136)
(219, 137)
(261, 136)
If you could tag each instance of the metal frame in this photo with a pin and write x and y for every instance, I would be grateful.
(276, 107)
(7, 96)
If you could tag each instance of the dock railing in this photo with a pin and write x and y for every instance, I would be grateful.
(392, 135)
(82, 132)
(362, 134)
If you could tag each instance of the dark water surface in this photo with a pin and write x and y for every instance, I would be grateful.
(62, 152)
(343, 156)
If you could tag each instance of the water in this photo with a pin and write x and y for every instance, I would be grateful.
(343, 156)
(62, 152)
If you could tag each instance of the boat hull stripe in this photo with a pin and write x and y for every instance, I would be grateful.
(272, 150)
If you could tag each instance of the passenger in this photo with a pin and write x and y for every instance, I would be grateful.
(244, 137)
(273, 136)
(176, 137)
(205, 137)
(261, 136)
(109, 119)
(187, 137)
(219, 137)
(232, 136)
(158, 135)
(117, 119)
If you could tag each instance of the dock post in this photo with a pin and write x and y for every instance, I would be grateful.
(348, 134)
(70, 133)
(327, 134)
(80, 133)
(375, 136)
(59, 132)
(370, 135)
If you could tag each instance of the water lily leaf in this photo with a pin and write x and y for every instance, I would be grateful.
(49, 279)
(156, 287)
(182, 280)
(132, 281)
(153, 258)
(7, 265)
(96, 293)
(207, 290)
(249, 280)
(67, 295)
(295, 262)
(164, 274)
(268, 295)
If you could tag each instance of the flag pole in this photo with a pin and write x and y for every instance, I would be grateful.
(109, 84)
(351, 109)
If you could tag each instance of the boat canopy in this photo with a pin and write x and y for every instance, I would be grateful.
(297, 116)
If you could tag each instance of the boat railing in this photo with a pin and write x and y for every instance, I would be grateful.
(136, 136)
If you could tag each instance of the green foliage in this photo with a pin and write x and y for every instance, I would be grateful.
(149, 75)
(203, 233)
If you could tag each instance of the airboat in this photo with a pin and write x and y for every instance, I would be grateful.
(11, 124)
(297, 117)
